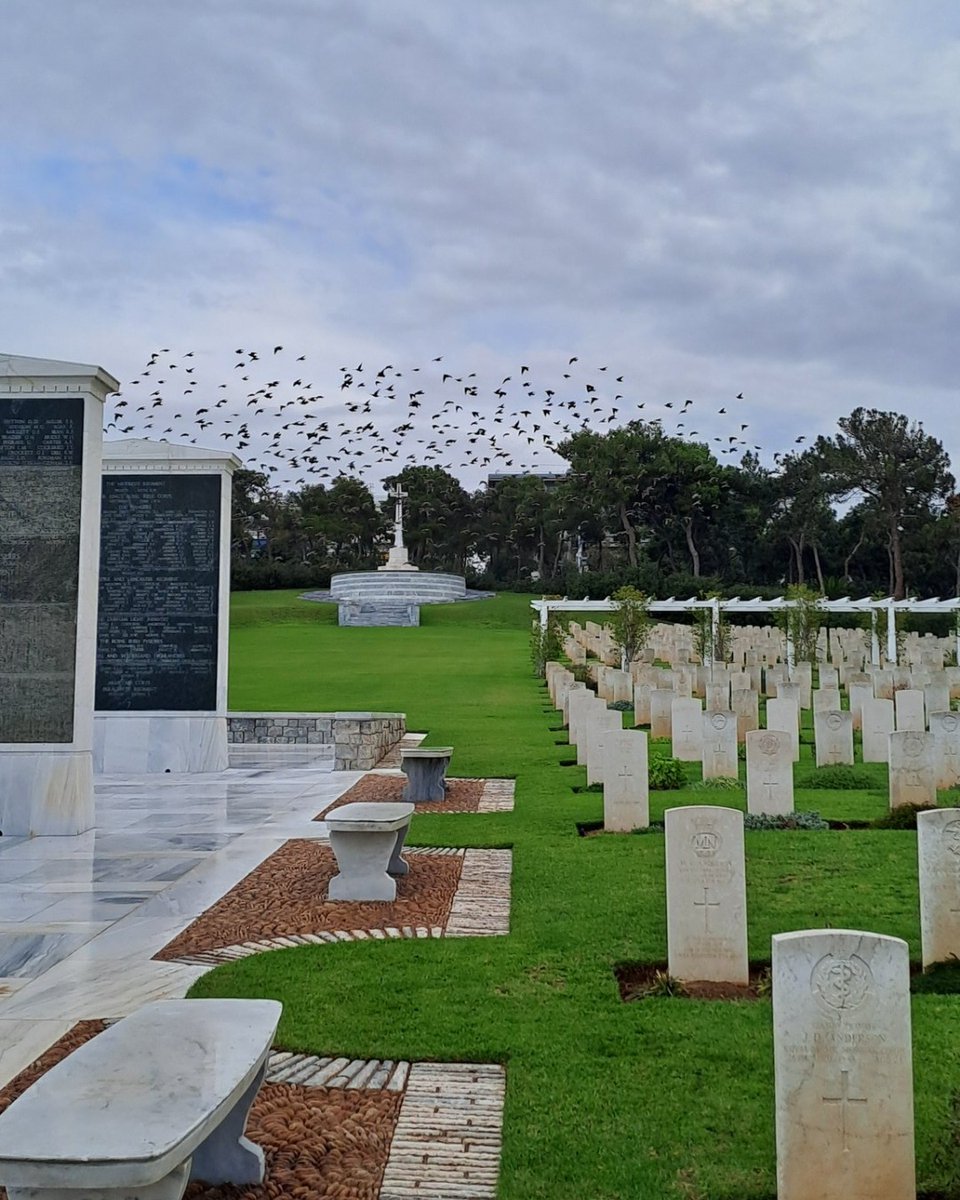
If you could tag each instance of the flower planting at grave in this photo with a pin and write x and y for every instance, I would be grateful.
(673, 1095)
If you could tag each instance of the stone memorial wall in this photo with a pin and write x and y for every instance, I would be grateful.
(157, 625)
(41, 457)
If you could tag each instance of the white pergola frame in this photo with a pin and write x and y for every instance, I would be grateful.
(888, 605)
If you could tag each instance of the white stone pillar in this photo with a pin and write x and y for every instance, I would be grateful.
(51, 433)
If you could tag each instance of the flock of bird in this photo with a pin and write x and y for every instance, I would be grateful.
(376, 421)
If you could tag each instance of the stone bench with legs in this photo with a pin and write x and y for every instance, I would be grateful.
(367, 840)
(425, 771)
(156, 1100)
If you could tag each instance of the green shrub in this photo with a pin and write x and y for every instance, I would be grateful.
(620, 705)
(720, 784)
(666, 774)
(902, 816)
(838, 779)
(794, 820)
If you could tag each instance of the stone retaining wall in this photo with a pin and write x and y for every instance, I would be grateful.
(360, 740)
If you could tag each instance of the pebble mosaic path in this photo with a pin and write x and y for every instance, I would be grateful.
(481, 908)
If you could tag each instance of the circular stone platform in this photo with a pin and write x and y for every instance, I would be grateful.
(408, 587)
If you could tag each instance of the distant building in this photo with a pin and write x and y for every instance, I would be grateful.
(551, 479)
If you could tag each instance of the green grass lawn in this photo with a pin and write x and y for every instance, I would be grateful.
(660, 1098)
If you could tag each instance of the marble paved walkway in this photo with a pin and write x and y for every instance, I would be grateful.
(81, 917)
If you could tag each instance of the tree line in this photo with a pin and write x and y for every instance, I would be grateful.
(872, 508)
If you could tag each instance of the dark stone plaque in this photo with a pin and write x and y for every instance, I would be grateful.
(159, 593)
(41, 457)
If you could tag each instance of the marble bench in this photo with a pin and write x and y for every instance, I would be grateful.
(426, 772)
(367, 839)
(154, 1101)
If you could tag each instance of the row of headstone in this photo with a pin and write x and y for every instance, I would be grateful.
(841, 999)
(841, 1005)
(155, 566)
(706, 890)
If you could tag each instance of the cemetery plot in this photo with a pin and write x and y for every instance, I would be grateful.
(462, 796)
(652, 981)
(546, 996)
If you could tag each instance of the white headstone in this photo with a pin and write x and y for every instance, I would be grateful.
(661, 711)
(641, 703)
(826, 699)
(938, 851)
(858, 693)
(626, 804)
(877, 718)
(706, 894)
(603, 722)
(936, 698)
(784, 715)
(945, 734)
(769, 772)
(911, 769)
(718, 696)
(833, 734)
(828, 678)
(720, 745)
(909, 708)
(843, 1066)
(746, 704)
(687, 725)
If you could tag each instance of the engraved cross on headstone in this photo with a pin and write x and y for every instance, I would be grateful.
(843, 1100)
(706, 905)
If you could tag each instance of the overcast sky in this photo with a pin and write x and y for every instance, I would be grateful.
(708, 196)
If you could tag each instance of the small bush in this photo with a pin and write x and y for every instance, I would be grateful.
(838, 779)
(902, 816)
(794, 820)
(663, 984)
(720, 784)
(666, 774)
(620, 705)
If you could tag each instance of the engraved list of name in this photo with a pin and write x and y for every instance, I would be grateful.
(41, 456)
(159, 589)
